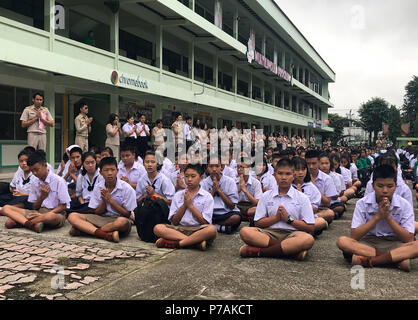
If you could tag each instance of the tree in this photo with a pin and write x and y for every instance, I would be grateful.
(410, 105)
(337, 123)
(373, 114)
(394, 122)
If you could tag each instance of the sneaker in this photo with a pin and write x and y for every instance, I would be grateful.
(405, 265)
(164, 243)
(228, 229)
(201, 245)
(348, 256)
(38, 227)
(301, 255)
(249, 252)
(115, 236)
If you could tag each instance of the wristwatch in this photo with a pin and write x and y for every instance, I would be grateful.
(290, 219)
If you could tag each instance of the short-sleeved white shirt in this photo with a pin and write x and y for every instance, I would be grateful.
(268, 181)
(254, 188)
(203, 201)
(20, 183)
(83, 184)
(229, 187)
(162, 185)
(128, 127)
(134, 173)
(296, 204)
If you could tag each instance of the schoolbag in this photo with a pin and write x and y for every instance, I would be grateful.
(148, 214)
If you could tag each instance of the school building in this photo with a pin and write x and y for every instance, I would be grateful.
(226, 62)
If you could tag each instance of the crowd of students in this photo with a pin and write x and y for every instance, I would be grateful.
(288, 199)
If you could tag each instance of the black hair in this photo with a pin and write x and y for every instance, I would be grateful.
(128, 147)
(266, 169)
(108, 149)
(158, 121)
(312, 154)
(386, 159)
(197, 167)
(76, 149)
(65, 157)
(23, 153)
(276, 156)
(112, 118)
(108, 161)
(284, 163)
(84, 157)
(384, 171)
(349, 159)
(95, 150)
(188, 118)
(37, 94)
(82, 103)
(149, 152)
(128, 116)
(36, 157)
(300, 163)
(29, 149)
(336, 158)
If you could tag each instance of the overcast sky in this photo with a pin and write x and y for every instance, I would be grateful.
(372, 45)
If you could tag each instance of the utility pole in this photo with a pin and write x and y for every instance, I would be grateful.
(349, 126)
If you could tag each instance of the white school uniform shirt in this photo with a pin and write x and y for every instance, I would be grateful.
(168, 167)
(233, 164)
(353, 170)
(270, 168)
(203, 201)
(346, 174)
(173, 177)
(254, 188)
(83, 184)
(57, 195)
(412, 162)
(268, 181)
(20, 183)
(399, 209)
(143, 133)
(339, 184)
(70, 178)
(134, 174)
(128, 127)
(312, 192)
(123, 194)
(188, 132)
(402, 189)
(296, 204)
(229, 187)
(325, 185)
(229, 172)
(371, 159)
(162, 186)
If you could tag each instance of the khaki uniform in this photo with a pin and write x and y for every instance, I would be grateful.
(37, 130)
(82, 130)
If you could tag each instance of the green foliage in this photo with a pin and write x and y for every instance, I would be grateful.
(373, 114)
(410, 106)
(337, 123)
(394, 122)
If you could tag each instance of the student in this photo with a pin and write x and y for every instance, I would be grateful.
(73, 167)
(249, 191)
(324, 184)
(382, 229)
(87, 179)
(283, 220)
(326, 165)
(98, 153)
(268, 182)
(130, 131)
(302, 182)
(339, 168)
(112, 200)
(130, 170)
(177, 177)
(190, 215)
(20, 185)
(61, 167)
(226, 215)
(143, 136)
(106, 152)
(49, 196)
(348, 162)
(153, 182)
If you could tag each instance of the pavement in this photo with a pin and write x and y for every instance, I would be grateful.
(55, 266)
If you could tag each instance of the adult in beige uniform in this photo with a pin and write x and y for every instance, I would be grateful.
(83, 128)
(113, 133)
(36, 118)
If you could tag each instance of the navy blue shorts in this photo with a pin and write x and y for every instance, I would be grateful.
(337, 204)
(216, 218)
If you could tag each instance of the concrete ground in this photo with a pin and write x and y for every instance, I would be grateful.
(95, 269)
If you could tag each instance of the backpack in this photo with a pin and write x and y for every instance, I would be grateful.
(148, 214)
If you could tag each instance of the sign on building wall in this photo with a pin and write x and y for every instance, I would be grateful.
(218, 13)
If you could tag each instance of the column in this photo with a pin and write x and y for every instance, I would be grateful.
(49, 21)
(297, 105)
(159, 47)
(303, 76)
(273, 95)
(250, 86)
(191, 60)
(263, 91)
(215, 70)
(235, 25)
(50, 135)
(290, 102)
(263, 45)
(192, 4)
(235, 78)
(114, 37)
(282, 99)
(283, 64)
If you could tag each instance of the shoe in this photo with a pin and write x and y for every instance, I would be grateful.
(113, 236)
(348, 256)
(249, 252)
(38, 227)
(201, 245)
(405, 265)
(74, 232)
(361, 261)
(228, 229)
(317, 233)
(301, 255)
(164, 243)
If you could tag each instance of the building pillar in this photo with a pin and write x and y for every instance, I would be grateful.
(50, 104)
(235, 78)
(250, 86)
(159, 47)
(235, 25)
(49, 21)
(191, 60)
(192, 4)
(114, 37)
(263, 91)
(282, 99)
(297, 105)
(283, 64)
(216, 70)
(273, 95)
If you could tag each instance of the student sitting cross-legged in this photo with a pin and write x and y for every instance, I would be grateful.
(226, 215)
(382, 229)
(283, 220)
(190, 214)
(112, 201)
(48, 194)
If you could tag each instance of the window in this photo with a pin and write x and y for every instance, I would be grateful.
(31, 11)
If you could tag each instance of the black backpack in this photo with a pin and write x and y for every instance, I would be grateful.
(148, 214)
